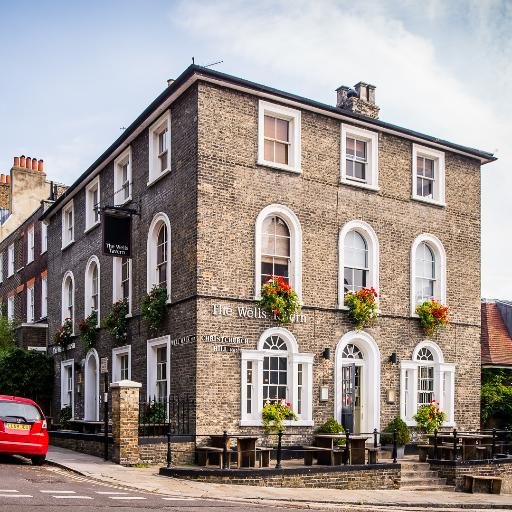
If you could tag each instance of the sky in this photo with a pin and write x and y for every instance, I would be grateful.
(73, 74)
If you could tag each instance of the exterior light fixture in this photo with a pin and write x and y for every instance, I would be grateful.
(326, 354)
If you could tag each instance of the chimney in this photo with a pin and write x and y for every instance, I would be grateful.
(170, 81)
(8, 179)
(360, 99)
(34, 164)
(28, 163)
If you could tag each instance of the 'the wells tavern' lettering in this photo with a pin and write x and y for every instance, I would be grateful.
(249, 312)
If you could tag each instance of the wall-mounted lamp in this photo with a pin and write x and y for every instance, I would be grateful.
(393, 358)
(326, 354)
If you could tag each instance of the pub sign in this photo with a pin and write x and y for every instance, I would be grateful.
(117, 235)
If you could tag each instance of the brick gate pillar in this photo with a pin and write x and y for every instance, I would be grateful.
(125, 422)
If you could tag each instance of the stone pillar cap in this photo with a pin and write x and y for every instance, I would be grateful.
(125, 384)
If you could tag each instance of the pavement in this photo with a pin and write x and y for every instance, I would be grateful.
(147, 479)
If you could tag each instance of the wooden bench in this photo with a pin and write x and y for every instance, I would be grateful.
(263, 455)
(372, 455)
(482, 484)
(207, 455)
(334, 456)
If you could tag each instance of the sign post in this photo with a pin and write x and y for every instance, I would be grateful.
(104, 372)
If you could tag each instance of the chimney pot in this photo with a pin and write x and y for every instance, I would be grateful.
(22, 161)
(8, 179)
(28, 163)
(2, 178)
(16, 161)
(359, 100)
(34, 164)
(170, 81)
(40, 166)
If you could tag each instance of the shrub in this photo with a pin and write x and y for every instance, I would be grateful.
(65, 416)
(362, 307)
(7, 333)
(331, 426)
(274, 414)
(116, 322)
(403, 435)
(429, 417)
(496, 397)
(433, 315)
(154, 307)
(88, 329)
(154, 412)
(279, 299)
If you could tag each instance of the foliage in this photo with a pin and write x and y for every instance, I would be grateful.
(273, 415)
(65, 416)
(429, 417)
(362, 307)
(279, 299)
(153, 412)
(7, 333)
(64, 335)
(433, 315)
(331, 426)
(403, 435)
(154, 307)
(28, 374)
(116, 322)
(496, 396)
(88, 329)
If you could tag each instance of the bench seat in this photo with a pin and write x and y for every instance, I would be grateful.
(482, 484)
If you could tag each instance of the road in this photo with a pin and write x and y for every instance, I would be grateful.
(46, 488)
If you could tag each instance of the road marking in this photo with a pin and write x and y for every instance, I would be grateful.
(58, 492)
(127, 498)
(8, 490)
(74, 496)
(109, 492)
(16, 495)
(178, 498)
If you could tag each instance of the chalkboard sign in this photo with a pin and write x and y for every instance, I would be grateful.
(117, 235)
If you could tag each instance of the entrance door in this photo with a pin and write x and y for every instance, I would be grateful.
(91, 388)
(348, 396)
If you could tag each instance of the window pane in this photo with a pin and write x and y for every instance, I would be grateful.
(360, 149)
(350, 168)
(351, 146)
(348, 279)
(280, 269)
(359, 170)
(282, 130)
(281, 153)
(270, 127)
(280, 227)
(269, 150)
(282, 246)
(428, 168)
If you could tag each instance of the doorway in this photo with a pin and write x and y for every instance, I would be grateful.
(92, 391)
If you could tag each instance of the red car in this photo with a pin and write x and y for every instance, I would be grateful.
(23, 429)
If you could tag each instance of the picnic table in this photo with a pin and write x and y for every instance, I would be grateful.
(328, 452)
(473, 446)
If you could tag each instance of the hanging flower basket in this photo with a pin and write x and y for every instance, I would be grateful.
(433, 315)
(429, 417)
(274, 414)
(279, 299)
(116, 322)
(154, 307)
(362, 307)
(64, 335)
(88, 329)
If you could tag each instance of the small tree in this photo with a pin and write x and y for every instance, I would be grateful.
(7, 333)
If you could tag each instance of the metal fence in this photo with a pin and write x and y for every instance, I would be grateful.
(170, 415)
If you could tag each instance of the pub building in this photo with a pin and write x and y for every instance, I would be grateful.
(226, 183)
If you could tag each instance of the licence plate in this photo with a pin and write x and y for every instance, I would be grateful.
(17, 426)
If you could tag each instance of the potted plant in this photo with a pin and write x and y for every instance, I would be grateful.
(362, 307)
(403, 436)
(279, 299)
(153, 418)
(154, 307)
(64, 335)
(116, 322)
(429, 417)
(274, 414)
(87, 328)
(433, 315)
(331, 426)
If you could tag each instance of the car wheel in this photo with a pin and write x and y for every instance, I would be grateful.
(38, 460)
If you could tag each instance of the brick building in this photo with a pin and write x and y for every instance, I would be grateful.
(24, 195)
(496, 334)
(233, 181)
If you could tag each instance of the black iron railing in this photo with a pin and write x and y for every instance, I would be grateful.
(168, 415)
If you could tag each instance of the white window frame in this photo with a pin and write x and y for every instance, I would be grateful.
(291, 115)
(65, 228)
(372, 244)
(1, 267)
(93, 260)
(294, 359)
(372, 150)
(444, 375)
(30, 244)
(154, 228)
(439, 174)
(117, 274)
(10, 260)
(31, 304)
(154, 163)
(124, 158)
(116, 364)
(63, 385)
(10, 308)
(295, 229)
(152, 345)
(440, 268)
(90, 221)
(44, 237)
(64, 298)
(44, 297)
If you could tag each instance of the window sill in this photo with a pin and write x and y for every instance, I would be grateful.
(433, 202)
(90, 228)
(154, 180)
(46, 250)
(358, 184)
(126, 201)
(281, 167)
(342, 307)
(29, 262)
(71, 242)
(286, 423)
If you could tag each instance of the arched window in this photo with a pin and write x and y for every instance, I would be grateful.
(278, 247)
(276, 371)
(428, 270)
(159, 253)
(424, 378)
(92, 287)
(68, 298)
(359, 259)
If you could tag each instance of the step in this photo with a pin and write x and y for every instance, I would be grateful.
(425, 488)
(419, 474)
(423, 482)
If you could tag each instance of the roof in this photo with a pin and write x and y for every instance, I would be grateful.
(225, 79)
(496, 341)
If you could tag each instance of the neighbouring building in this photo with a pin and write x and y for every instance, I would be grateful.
(233, 181)
(24, 194)
(496, 334)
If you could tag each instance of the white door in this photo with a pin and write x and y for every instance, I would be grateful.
(91, 409)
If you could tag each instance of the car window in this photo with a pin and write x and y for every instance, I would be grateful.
(26, 412)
